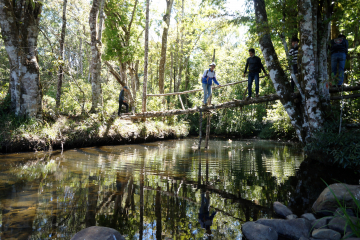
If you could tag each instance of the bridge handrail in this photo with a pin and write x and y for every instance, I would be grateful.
(192, 91)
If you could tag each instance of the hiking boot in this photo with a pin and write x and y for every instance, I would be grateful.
(257, 95)
(248, 98)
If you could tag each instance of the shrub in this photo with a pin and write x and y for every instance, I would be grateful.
(342, 149)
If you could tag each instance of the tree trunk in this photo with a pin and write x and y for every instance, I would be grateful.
(134, 81)
(313, 104)
(171, 69)
(146, 55)
(81, 66)
(324, 27)
(180, 60)
(61, 72)
(19, 22)
(276, 72)
(166, 19)
(95, 66)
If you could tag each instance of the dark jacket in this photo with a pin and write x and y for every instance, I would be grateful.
(122, 95)
(254, 64)
(339, 45)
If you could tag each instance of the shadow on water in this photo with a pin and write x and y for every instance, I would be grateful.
(162, 190)
(308, 183)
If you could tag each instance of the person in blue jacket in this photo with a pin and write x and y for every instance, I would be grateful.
(208, 77)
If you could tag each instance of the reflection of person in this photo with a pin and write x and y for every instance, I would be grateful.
(339, 50)
(205, 218)
(293, 55)
(122, 100)
(255, 66)
(208, 77)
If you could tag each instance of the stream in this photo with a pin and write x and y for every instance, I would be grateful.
(158, 190)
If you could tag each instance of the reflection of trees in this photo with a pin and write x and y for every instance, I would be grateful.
(154, 189)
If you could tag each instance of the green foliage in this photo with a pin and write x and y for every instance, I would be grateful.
(342, 149)
(280, 120)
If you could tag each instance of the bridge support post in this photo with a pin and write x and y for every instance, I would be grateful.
(200, 127)
(207, 131)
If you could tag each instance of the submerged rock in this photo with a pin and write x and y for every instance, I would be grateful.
(326, 234)
(291, 229)
(327, 202)
(281, 210)
(98, 233)
(255, 231)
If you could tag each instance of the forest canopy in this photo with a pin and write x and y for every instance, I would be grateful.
(73, 57)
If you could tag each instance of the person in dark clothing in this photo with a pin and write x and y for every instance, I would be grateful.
(255, 66)
(205, 218)
(293, 57)
(339, 50)
(122, 100)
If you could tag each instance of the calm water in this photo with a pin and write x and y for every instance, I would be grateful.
(160, 190)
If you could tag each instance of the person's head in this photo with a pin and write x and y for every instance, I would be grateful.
(251, 52)
(125, 88)
(294, 42)
(342, 36)
(212, 66)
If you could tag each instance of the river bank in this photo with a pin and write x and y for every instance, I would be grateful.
(66, 132)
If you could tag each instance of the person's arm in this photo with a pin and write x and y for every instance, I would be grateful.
(346, 46)
(262, 67)
(246, 66)
(215, 81)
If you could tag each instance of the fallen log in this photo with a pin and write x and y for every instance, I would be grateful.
(230, 104)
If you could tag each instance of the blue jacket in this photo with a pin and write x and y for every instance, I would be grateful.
(208, 77)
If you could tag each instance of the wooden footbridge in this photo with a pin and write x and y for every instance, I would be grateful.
(207, 109)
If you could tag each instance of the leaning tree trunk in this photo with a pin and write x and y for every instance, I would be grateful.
(19, 22)
(61, 72)
(166, 18)
(95, 66)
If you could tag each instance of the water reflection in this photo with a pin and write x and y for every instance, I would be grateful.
(158, 190)
(205, 218)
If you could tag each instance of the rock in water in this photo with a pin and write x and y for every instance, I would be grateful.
(339, 223)
(309, 216)
(291, 229)
(255, 231)
(340, 212)
(326, 234)
(291, 216)
(326, 201)
(281, 210)
(321, 223)
(98, 233)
